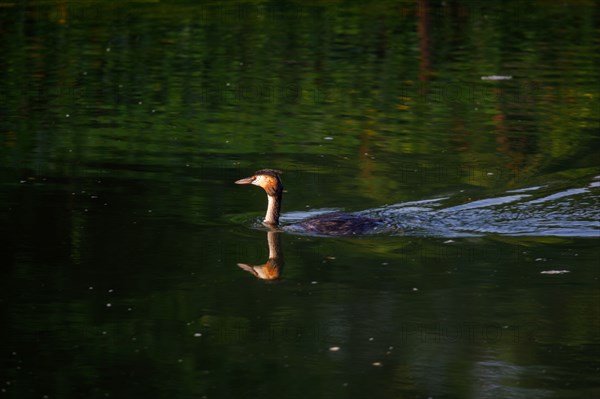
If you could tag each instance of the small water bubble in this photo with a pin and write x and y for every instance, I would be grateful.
(197, 334)
(377, 364)
(67, 116)
(334, 348)
(108, 49)
(108, 305)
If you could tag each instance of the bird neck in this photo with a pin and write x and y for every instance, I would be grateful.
(273, 209)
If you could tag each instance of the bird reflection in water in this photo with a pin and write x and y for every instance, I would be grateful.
(271, 270)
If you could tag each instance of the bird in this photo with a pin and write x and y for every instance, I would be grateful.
(331, 224)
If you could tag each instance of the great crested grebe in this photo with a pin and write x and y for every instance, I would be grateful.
(328, 224)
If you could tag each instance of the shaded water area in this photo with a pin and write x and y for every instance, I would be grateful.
(133, 265)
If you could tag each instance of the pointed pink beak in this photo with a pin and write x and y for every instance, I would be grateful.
(247, 180)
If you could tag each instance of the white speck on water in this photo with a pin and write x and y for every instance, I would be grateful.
(377, 364)
(139, 102)
(384, 263)
(197, 334)
(129, 309)
(371, 339)
(328, 138)
(149, 210)
(448, 241)
(415, 289)
(540, 259)
(334, 348)
(314, 282)
(108, 49)
(497, 77)
(108, 305)
(555, 271)
(104, 333)
(90, 288)
(179, 360)
(67, 116)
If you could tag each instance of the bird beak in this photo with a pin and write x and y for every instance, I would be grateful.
(247, 180)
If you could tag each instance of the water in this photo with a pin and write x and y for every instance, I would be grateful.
(132, 265)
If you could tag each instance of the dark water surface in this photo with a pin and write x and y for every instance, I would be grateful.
(133, 266)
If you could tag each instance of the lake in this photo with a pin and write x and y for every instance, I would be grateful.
(132, 265)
